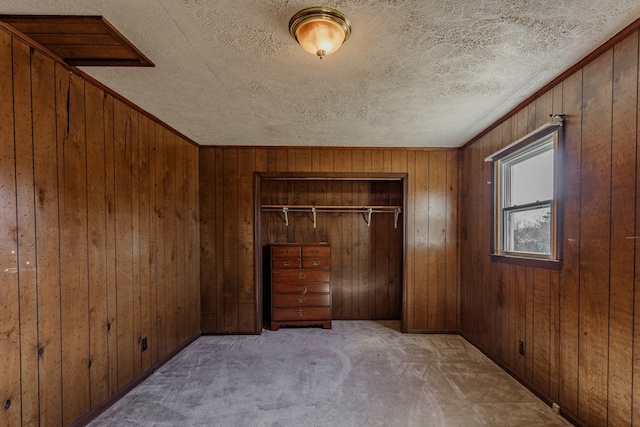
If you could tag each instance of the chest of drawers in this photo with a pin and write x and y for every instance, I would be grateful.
(300, 285)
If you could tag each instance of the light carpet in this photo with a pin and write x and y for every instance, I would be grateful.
(360, 373)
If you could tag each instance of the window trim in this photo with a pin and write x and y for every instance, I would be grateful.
(540, 136)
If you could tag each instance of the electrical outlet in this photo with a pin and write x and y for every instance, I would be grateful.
(521, 347)
(144, 344)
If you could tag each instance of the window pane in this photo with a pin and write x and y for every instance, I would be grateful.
(532, 179)
(528, 230)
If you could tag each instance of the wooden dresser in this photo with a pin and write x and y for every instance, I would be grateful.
(300, 285)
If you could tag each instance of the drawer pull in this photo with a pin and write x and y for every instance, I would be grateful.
(302, 300)
(301, 276)
(285, 252)
(301, 313)
(304, 290)
(315, 252)
(286, 263)
(316, 263)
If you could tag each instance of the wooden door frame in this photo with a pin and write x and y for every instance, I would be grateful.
(322, 176)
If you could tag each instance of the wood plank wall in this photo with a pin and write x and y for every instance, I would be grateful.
(366, 262)
(579, 324)
(99, 241)
(227, 227)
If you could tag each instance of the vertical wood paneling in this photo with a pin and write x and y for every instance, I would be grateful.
(26, 235)
(135, 241)
(595, 240)
(144, 240)
(77, 190)
(436, 228)
(97, 249)
(47, 239)
(110, 194)
(180, 257)
(569, 282)
(9, 296)
(623, 213)
(578, 323)
(72, 176)
(451, 261)
(245, 219)
(170, 235)
(367, 265)
(230, 232)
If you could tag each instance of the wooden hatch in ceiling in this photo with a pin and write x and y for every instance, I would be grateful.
(80, 40)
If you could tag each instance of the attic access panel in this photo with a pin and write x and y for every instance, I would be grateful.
(80, 40)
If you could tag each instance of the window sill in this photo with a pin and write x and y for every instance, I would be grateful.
(549, 264)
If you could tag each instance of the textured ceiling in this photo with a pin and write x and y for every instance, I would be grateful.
(415, 73)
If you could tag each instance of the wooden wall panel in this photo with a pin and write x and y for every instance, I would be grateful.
(47, 239)
(79, 239)
(26, 238)
(623, 176)
(366, 275)
(9, 295)
(97, 250)
(579, 323)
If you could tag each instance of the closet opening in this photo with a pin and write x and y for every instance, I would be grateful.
(360, 215)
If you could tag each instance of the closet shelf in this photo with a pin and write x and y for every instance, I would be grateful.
(367, 211)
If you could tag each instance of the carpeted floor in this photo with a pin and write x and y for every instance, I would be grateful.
(360, 373)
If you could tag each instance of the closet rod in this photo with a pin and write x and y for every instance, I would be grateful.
(340, 209)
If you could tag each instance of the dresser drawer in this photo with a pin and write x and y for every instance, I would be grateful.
(307, 313)
(316, 251)
(298, 276)
(318, 263)
(300, 288)
(285, 251)
(285, 263)
(307, 300)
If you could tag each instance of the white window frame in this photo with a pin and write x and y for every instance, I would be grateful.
(535, 143)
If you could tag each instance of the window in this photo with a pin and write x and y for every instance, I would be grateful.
(525, 214)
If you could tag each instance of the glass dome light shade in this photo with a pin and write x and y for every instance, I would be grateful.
(320, 30)
(320, 37)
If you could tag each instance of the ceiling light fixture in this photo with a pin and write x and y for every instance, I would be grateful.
(320, 30)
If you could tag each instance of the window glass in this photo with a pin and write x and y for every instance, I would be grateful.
(532, 178)
(525, 205)
(528, 230)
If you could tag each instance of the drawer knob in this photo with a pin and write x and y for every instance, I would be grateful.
(315, 252)
(304, 290)
(301, 313)
(286, 263)
(316, 263)
(285, 252)
(302, 300)
(301, 276)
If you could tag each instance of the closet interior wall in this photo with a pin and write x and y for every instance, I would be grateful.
(366, 261)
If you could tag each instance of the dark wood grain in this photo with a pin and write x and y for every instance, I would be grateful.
(47, 237)
(76, 238)
(27, 278)
(623, 218)
(9, 294)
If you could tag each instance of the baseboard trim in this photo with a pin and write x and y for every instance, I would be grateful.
(567, 415)
(433, 331)
(110, 401)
